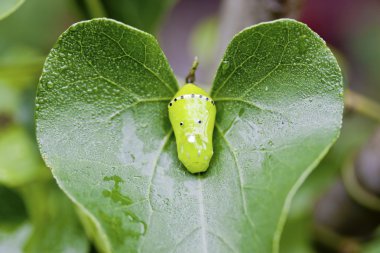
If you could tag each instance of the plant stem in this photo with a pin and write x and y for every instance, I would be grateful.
(361, 104)
(191, 76)
(95, 8)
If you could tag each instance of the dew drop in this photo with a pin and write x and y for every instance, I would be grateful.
(225, 66)
(50, 85)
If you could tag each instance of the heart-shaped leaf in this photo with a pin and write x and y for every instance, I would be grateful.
(103, 128)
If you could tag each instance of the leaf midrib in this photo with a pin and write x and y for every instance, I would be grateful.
(140, 63)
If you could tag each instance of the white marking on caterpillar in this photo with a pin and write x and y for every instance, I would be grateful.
(189, 96)
(191, 138)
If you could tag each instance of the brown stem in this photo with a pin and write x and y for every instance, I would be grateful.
(190, 78)
(351, 208)
(361, 104)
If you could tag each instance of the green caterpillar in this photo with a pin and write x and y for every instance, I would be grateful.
(192, 115)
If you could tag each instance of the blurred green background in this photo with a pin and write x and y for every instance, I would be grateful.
(35, 216)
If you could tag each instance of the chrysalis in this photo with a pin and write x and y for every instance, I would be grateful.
(192, 115)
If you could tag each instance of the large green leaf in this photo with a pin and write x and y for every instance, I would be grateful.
(279, 98)
(7, 7)
(103, 128)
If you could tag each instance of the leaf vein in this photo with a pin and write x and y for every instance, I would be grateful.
(224, 241)
(103, 77)
(242, 192)
(184, 237)
(202, 221)
(117, 113)
(149, 191)
(238, 67)
(140, 63)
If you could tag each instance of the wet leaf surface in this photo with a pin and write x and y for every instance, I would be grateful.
(103, 128)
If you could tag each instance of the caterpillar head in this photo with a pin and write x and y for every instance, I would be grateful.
(193, 118)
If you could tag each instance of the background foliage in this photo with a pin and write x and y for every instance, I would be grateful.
(30, 198)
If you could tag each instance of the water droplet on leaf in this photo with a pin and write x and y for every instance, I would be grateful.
(225, 66)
